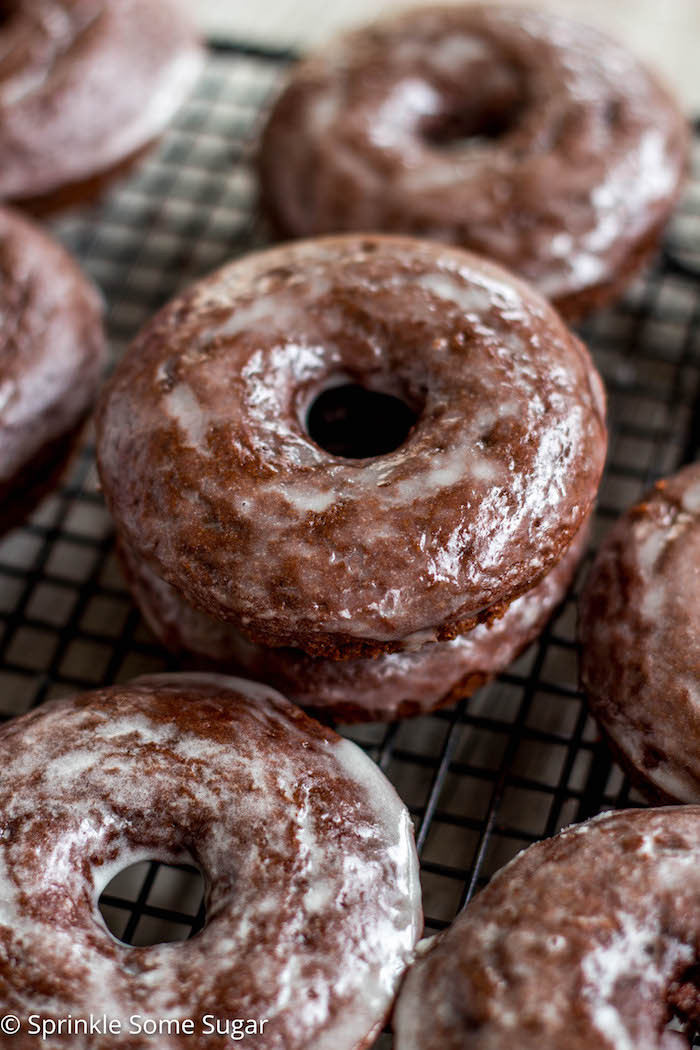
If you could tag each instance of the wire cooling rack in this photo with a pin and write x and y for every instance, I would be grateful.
(513, 764)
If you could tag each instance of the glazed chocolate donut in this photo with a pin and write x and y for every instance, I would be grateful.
(85, 85)
(313, 899)
(214, 481)
(518, 134)
(587, 941)
(51, 356)
(640, 635)
(395, 685)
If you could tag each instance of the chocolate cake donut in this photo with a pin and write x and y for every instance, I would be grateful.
(518, 134)
(51, 356)
(215, 481)
(85, 85)
(395, 685)
(640, 636)
(312, 892)
(587, 941)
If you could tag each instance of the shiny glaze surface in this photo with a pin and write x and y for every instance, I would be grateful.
(518, 134)
(85, 84)
(586, 941)
(51, 346)
(640, 632)
(313, 900)
(415, 681)
(214, 482)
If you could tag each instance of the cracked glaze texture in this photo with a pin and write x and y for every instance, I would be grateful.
(425, 676)
(213, 480)
(588, 941)
(640, 634)
(312, 893)
(51, 349)
(536, 141)
(84, 84)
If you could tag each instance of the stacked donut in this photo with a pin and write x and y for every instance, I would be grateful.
(64, 130)
(51, 357)
(347, 467)
(240, 530)
(85, 87)
(640, 634)
(518, 134)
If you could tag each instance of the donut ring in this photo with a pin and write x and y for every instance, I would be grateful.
(395, 685)
(313, 899)
(85, 85)
(640, 633)
(517, 134)
(52, 352)
(588, 941)
(213, 480)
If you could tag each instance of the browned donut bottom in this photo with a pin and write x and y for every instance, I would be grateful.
(20, 496)
(396, 685)
(227, 479)
(586, 941)
(640, 633)
(51, 356)
(83, 192)
(312, 891)
(517, 134)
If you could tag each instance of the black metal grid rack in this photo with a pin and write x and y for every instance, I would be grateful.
(520, 759)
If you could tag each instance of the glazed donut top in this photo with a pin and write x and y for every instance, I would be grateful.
(51, 342)
(211, 474)
(312, 893)
(537, 141)
(640, 629)
(84, 84)
(587, 941)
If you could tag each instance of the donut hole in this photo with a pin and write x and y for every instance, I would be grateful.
(355, 422)
(493, 109)
(613, 112)
(464, 129)
(679, 1034)
(152, 902)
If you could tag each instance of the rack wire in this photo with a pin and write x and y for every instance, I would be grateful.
(519, 760)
